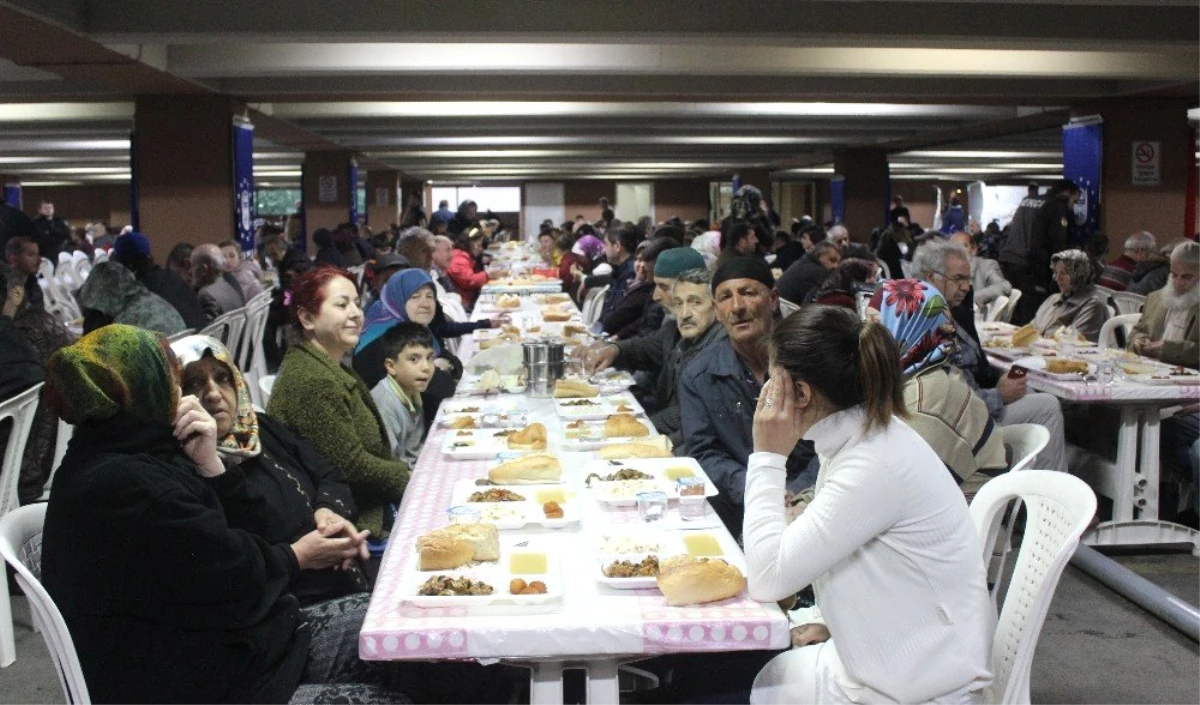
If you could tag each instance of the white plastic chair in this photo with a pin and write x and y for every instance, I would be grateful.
(21, 548)
(20, 409)
(250, 357)
(995, 308)
(180, 335)
(1108, 331)
(61, 441)
(1059, 507)
(593, 305)
(265, 384)
(1127, 302)
(1025, 441)
(1005, 314)
(884, 271)
(359, 272)
(100, 256)
(906, 268)
(82, 266)
(787, 308)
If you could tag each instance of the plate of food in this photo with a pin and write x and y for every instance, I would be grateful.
(618, 482)
(543, 299)
(596, 409)
(515, 506)
(489, 382)
(581, 436)
(1163, 375)
(1064, 369)
(468, 564)
(635, 561)
(481, 416)
(484, 444)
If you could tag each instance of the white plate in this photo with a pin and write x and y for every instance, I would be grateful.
(1038, 364)
(598, 409)
(624, 492)
(469, 386)
(1163, 378)
(579, 445)
(614, 546)
(495, 574)
(515, 515)
(477, 444)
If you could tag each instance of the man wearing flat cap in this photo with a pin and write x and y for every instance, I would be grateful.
(682, 285)
(718, 390)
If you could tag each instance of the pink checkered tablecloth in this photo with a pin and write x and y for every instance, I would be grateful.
(590, 620)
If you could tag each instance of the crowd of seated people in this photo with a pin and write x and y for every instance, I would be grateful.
(824, 432)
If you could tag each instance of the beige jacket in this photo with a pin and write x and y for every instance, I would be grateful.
(1150, 328)
(955, 422)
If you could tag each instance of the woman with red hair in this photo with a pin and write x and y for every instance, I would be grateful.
(326, 402)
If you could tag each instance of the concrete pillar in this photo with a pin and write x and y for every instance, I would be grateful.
(326, 207)
(1127, 207)
(183, 164)
(867, 185)
(383, 208)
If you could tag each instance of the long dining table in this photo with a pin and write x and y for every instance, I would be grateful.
(1132, 482)
(590, 626)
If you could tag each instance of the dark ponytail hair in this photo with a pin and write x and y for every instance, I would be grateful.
(850, 362)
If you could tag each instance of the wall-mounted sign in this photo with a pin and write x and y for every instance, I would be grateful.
(1147, 163)
(327, 189)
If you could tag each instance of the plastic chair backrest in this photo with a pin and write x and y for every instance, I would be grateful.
(46, 269)
(251, 358)
(219, 329)
(884, 271)
(1128, 302)
(265, 384)
(20, 409)
(61, 441)
(593, 305)
(180, 335)
(1026, 440)
(100, 256)
(21, 548)
(1108, 331)
(787, 308)
(1059, 507)
(1005, 315)
(995, 308)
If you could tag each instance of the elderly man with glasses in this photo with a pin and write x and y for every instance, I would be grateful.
(947, 267)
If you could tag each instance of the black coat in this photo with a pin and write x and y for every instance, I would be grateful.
(800, 278)
(165, 601)
(176, 291)
(274, 495)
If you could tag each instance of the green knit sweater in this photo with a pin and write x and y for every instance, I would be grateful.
(328, 404)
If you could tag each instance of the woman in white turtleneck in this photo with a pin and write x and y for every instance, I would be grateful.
(902, 611)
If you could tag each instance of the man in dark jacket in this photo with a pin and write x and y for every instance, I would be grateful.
(133, 251)
(718, 390)
(1038, 230)
(620, 247)
(51, 232)
(665, 354)
(809, 272)
(22, 253)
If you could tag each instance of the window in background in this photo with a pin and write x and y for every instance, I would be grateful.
(275, 201)
(498, 199)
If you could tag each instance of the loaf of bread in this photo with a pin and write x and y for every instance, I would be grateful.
(531, 469)
(656, 447)
(532, 437)
(685, 580)
(463, 422)
(554, 314)
(624, 425)
(1065, 367)
(574, 388)
(572, 329)
(1025, 335)
(488, 381)
(508, 301)
(457, 544)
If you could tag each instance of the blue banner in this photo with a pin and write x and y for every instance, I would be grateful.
(837, 199)
(133, 183)
(352, 187)
(1083, 149)
(243, 183)
(12, 195)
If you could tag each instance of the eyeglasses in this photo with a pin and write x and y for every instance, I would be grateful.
(960, 280)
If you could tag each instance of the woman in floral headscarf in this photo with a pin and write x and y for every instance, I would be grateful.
(285, 488)
(943, 410)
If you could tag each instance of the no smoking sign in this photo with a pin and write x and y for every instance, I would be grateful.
(1147, 160)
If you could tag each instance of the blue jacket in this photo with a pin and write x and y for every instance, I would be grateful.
(717, 399)
(622, 277)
